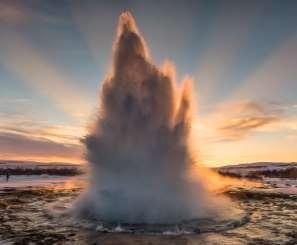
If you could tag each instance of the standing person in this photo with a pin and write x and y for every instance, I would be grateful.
(7, 175)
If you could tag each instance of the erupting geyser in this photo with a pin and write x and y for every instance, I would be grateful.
(138, 148)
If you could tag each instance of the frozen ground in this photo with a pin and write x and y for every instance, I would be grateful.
(35, 210)
(33, 180)
(247, 168)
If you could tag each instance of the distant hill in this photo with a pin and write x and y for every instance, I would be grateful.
(259, 170)
(34, 163)
(15, 167)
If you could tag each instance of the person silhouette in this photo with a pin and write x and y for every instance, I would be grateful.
(7, 175)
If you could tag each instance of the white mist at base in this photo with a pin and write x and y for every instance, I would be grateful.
(138, 148)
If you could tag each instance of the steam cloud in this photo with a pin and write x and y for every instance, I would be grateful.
(138, 148)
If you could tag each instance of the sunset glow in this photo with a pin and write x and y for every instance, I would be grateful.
(243, 72)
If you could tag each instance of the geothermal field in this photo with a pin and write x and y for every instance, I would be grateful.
(38, 209)
(142, 182)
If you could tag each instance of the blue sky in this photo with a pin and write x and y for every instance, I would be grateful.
(241, 55)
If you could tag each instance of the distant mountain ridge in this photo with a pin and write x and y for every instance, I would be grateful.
(36, 163)
(16, 167)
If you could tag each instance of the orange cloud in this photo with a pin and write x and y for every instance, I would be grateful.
(26, 139)
(236, 120)
(240, 119)
(57, 133)
(237, 128)
(15, 146)
(247, 131)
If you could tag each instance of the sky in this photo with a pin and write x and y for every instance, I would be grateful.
(242, 56)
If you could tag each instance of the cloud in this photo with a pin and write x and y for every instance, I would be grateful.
(25, 124)
(16, 12)
(23, 138)
(58, 133)
(289, 125)
(16, 146)
(237, 120)
(12, 13)
(240, 127)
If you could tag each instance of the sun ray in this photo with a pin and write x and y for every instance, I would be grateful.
(31, 67)
(276, 73)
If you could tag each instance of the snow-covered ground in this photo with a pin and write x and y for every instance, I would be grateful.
(33, 180)
(246, 168)
(283, 185)
(258, 169)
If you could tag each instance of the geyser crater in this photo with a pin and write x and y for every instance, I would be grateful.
(139, 152)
